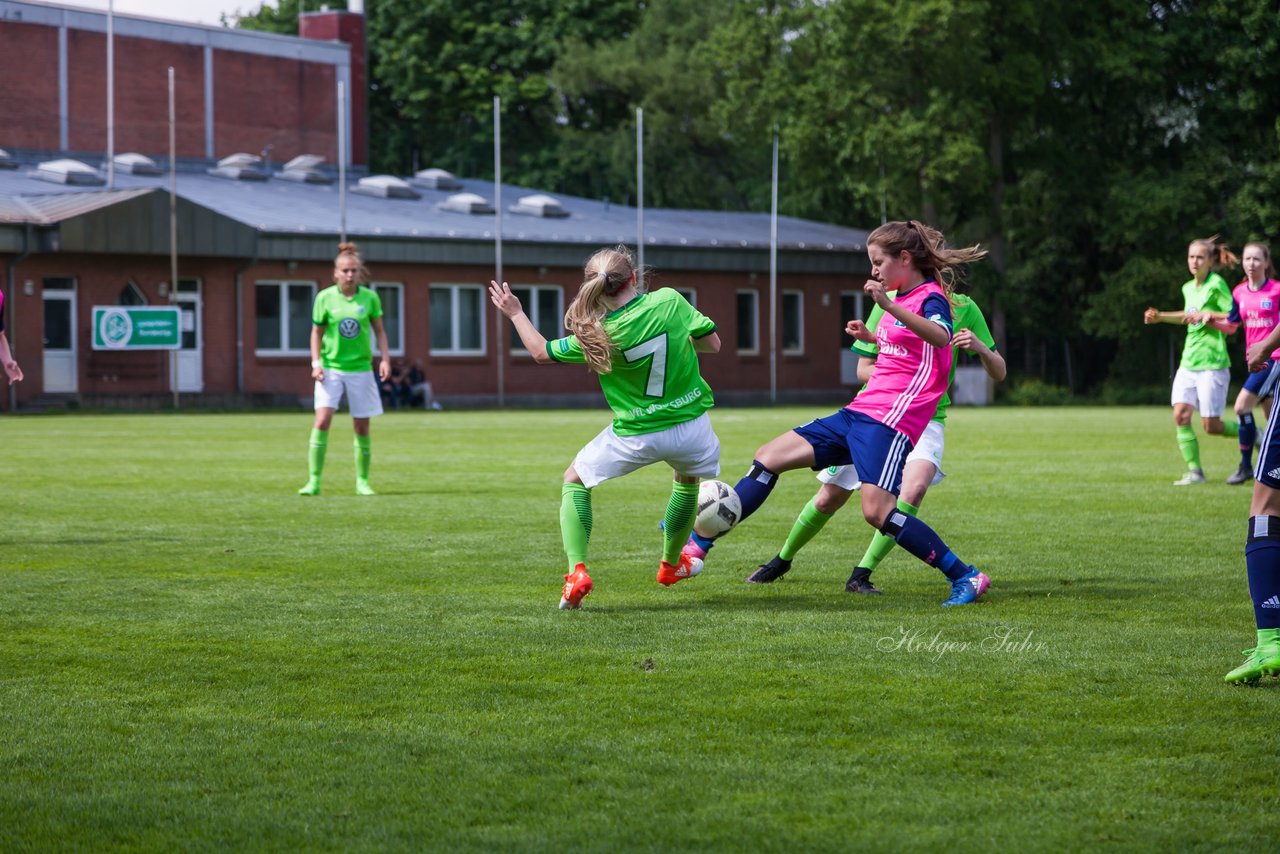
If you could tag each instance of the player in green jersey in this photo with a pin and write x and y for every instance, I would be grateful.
(1203, 376)
(644, 348)
(342, 318)
(923, 467)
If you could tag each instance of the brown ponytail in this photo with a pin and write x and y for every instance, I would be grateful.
(927, 248)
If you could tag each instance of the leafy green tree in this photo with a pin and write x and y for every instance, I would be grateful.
(281, 18)
(437, 66)
(691, 161)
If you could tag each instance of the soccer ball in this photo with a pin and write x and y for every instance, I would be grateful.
(719, 508)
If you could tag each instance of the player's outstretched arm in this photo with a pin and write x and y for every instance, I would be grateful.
(1152, 315)
(992, 362)
(509, 304)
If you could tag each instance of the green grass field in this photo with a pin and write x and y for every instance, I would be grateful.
(193, 657)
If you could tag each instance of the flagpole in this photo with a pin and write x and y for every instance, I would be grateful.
(173, 238)
(342, 162)
(640, 189)
(500, 351)
(111, 96)
(773, 279)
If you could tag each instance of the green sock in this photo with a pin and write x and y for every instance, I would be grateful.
(1189, 446)
(804, 529)
(882, 545)
(575, 522)
(682, 506)
(315, 453)
(363, 455)
(1231, 429)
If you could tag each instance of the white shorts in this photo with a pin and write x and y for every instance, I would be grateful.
(362, 392)
(691, 448)
(928, 449)
(1206, 390)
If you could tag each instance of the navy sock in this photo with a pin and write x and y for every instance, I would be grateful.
(705, 542)
(754, 488)
(921, 540)
(1262, 558)
(1248, 435)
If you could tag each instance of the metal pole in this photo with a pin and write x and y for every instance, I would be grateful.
(111, 96)
(773, 279)
(173, 238)
(342, 162)
(640, 189)
(500, 352)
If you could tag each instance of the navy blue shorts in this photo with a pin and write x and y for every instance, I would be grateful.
(847, 437)
(1267, 470)
(1263, 383)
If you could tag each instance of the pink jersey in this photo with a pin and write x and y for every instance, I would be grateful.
(911, 376)
(1258, 311)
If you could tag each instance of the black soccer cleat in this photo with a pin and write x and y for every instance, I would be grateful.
(860, 582)
(767, 573)
(1244, 474)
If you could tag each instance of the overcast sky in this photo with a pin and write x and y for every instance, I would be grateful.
(191, 11)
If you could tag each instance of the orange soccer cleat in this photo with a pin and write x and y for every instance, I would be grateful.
(577, 585)
(688, 567)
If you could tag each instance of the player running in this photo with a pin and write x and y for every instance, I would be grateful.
(644, 348)
(923, 467)
(1202, 377)
(1255, 302)
(885, 421)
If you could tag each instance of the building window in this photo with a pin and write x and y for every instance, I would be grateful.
(282, 314)
(457, 320)
(392, 296)
(792, 322)
(545, 306)
(850, 309)
(748, 322)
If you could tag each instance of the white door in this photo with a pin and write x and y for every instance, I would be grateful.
(60, 336)
(191, 354)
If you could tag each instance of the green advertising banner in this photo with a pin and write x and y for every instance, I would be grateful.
(117, 327)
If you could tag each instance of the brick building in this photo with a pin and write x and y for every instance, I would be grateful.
(256, 240)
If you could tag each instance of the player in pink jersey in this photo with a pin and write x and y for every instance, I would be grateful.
(1255, 303)
(878, 429)
(11, 368)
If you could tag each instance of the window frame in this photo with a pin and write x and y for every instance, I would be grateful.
(690, 294)
(455, 352)
(393, 348)
(755, 322)
(518, 349)
(782, 312)
(282, 286)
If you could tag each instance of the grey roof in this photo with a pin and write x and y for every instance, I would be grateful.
(299, 220)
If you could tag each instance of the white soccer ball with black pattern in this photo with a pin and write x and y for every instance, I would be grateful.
(719, 508)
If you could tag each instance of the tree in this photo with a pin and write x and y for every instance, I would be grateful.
(282, 18)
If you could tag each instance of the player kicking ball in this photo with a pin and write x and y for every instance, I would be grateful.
(644, 349)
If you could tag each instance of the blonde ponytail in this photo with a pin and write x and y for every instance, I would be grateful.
(606, 273)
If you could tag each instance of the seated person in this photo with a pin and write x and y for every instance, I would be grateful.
(391, 388)
(419, 388)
